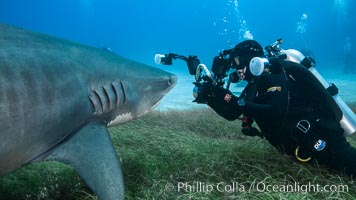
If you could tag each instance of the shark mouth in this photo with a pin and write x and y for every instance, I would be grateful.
(151, 108)
(121, 119)
(129, 116)
(156, 104)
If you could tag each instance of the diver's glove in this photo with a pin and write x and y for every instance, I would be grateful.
(201, 93)
(247, 129)
(220, 95)
(210, 94)
(224, 103)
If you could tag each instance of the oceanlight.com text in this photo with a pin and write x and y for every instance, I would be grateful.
(236, 187)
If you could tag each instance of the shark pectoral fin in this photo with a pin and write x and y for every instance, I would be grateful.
(91, 153)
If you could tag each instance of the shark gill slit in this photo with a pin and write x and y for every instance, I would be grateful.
(107, 93)
(123, 91)
(120, 92)
(96, 92)
(94, 99)
(107, 97)
(116, 95)
(104, 98)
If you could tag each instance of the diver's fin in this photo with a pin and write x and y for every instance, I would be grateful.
(91, 153)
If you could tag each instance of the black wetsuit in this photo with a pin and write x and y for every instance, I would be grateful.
(296, 115)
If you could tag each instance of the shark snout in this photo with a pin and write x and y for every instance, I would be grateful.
(172, 80)
(166, 84)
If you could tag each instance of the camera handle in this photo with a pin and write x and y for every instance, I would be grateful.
(201, 67)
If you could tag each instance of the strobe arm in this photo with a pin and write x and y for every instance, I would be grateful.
(167, 59)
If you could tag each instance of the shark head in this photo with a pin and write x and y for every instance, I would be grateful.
(135, 89)
(143, 92)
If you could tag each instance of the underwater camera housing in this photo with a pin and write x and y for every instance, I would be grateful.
(222, 63)
(204, 80)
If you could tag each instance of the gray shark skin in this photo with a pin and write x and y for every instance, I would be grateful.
(57, 98)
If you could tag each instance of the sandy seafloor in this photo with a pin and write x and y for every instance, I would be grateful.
(181, 97)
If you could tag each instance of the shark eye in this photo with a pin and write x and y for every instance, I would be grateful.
(172, 80)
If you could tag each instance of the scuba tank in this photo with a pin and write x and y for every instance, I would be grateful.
(348, 120)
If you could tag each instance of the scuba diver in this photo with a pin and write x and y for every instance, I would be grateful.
(294, 115)
(293, 108)
(348, 59)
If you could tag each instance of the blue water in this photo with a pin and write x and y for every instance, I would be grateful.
(139, 29)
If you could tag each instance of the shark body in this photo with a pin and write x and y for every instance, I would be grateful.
(57, 99)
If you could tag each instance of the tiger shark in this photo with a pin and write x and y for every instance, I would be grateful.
(57, 99)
